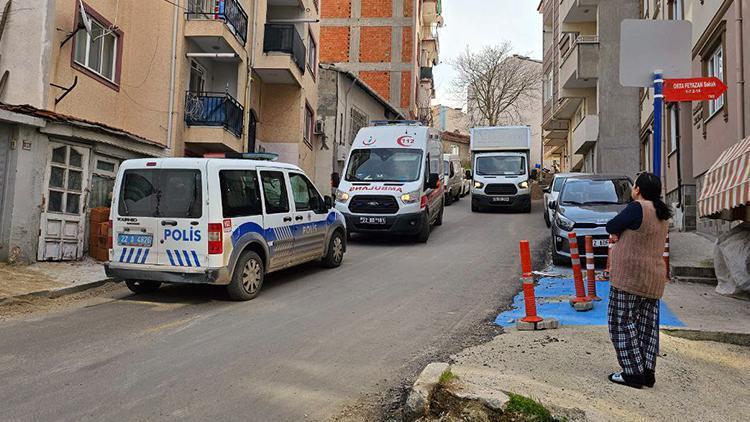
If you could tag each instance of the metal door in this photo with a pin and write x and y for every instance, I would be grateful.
(62, 221)
(277, 218)
(309, 219)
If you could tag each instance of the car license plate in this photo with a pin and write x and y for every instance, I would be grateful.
(371, 220)
(501, 199)
(143, 240)
(601, 243)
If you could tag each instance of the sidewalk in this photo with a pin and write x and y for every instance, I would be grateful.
(49, 278)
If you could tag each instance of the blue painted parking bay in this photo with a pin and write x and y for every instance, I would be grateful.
(552, 300)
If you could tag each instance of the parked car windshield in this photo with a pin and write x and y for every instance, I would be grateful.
(557, 186)
(384, 165)
(595, 192)
(501, 165)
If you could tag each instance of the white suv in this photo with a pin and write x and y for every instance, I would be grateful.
(217, 221)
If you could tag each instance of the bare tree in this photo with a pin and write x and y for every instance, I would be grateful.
(495, 84)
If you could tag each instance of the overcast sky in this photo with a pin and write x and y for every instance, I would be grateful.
(478, 23)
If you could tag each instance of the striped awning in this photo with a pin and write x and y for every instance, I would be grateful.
(727, 183)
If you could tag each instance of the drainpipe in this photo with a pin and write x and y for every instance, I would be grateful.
(740, 71)
(172, 76)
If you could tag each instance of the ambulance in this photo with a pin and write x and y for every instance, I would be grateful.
(392, 180)
(217, 221)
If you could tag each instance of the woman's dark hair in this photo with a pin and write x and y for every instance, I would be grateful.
(650, 187)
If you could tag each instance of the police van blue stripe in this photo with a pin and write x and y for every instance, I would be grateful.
(179, 258)
(122, 255)
(187, 258)
(130, 255)
(137, 258)
(171, 260)
(145, 255)
(195, 259)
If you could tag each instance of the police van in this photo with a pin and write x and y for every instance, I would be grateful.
(392, 180)
(217, 221)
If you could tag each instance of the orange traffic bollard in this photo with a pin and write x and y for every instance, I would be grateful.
(591, 269)
(525, 258)
(666, 256)
(529, 299)
(580, 301)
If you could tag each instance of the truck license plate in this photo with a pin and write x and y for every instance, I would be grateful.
(144, 240)
(371, 220)
(601, 243)
(501, 199)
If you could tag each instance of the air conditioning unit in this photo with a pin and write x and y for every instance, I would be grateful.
(320, 127)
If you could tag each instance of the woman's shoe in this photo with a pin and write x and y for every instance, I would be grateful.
(649, 378)
(634, 381)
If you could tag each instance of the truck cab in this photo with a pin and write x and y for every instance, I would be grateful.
(500, 163)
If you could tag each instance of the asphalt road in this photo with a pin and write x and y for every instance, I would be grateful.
(313, 343)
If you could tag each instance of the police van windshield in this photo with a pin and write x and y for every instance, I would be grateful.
(384, 165)
(499, 165)
(167, 193)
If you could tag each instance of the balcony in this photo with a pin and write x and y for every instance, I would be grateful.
(431, 11)
(285, 54)
(430, 47)
(214, 120)
(580, 64)
(578, 11)
(425, 72)
(211, 19)
(586, 134)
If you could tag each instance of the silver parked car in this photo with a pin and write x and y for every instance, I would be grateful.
(553, 191)
(453, 178)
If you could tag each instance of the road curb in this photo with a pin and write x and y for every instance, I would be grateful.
(418, 401)
(738, 339)
(56, 293)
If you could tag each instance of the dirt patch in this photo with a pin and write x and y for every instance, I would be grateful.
(19, 280)
(29, 305)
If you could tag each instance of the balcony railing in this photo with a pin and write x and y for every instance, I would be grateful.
(229, 11)
(214, 109)
(425, 72)
(284, 38)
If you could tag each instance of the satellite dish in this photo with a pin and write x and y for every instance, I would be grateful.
(85, 19)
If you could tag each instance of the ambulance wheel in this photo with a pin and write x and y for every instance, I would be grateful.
(247, 278)
(336, 249)
(424, 233)
(439, 219)
(142, 286)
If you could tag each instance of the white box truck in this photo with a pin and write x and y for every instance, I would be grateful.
(500, 168)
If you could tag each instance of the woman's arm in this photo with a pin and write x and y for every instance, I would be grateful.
(628, 219)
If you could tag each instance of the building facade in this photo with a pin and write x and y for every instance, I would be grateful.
(391, 45)
(99, 82)
(696, 134)
(450, 119)
(345, 105)
(457, 144)
(590, 122)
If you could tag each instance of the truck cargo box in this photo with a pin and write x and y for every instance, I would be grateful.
(501, 138)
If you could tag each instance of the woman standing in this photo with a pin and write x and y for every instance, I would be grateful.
(638, 277)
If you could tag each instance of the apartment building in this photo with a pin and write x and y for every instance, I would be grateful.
(391, 45)
(696, 135)
(450, 119)
(91, 83)
(590, 122)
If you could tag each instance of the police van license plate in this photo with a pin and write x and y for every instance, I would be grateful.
(126, 239)
(371, 220)
(501, 199)
(601, 243)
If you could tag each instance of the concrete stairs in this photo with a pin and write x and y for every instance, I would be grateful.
(692, 273)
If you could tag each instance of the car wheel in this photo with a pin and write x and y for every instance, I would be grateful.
(448, 199)
(457, 197)
(558, 259)
(546, 219)
(527, 208)
(247, 278)
(336, 249)
(142, 286)
(475, 208)
(439, 219)
(424, 234)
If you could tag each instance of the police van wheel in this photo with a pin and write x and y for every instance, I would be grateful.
(142, 286)
(335, 254)
(247, 278)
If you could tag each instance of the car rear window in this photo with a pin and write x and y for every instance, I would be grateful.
(164, 193)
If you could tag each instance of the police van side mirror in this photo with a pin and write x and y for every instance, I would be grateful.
(433, 180)
(328, 202)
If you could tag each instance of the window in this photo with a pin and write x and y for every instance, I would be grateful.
(98, 52)
(168, 193)
(674, 130)
(548, 87)
(103, 183)
(65, 187)
(274, 189)
(240, 194)
(558, 184)
(583, 191)
(499, 165)
(646, 154)
(715, 67)
(306, 197)
(312, 54)
(396, 165)
(309, 126)
(454, 150)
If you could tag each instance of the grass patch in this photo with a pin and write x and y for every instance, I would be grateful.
(530, 409)
(447, 376)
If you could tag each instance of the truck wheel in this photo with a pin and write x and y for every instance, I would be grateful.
(336, 248)
(424, 234)
(247, 278)
(142, 286)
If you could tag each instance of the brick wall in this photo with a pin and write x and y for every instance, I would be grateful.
(375, 44)
(408, 8)
(405, 89)
(376, 8)
(407, 44)
(379, 81)
(336, 8)
(334, 44)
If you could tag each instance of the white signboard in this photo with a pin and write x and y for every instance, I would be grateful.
(648, 45)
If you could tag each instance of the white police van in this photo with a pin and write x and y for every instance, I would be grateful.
(217, 221)
(392, 180)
